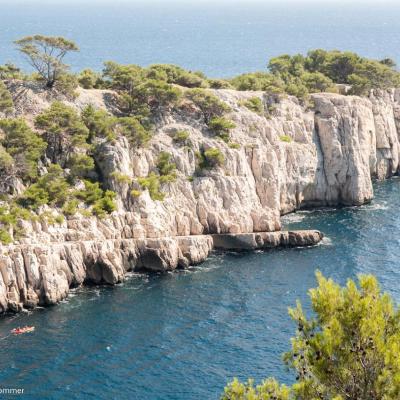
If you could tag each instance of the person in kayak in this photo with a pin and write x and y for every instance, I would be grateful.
(25, 329)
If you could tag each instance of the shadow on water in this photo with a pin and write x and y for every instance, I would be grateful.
(183, 335)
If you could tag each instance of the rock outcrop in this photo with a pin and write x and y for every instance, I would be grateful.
(329, 156)
(266, 240)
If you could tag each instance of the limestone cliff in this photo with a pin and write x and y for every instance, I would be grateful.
(288, 158)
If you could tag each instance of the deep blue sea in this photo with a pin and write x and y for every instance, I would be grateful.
(183, 335)
(221, 37)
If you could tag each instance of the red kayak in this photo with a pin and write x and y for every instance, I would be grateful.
(25, 329)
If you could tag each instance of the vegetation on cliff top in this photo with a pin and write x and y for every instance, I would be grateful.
(349, 349)
(61, 150)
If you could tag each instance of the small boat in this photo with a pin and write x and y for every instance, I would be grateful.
(25, 329)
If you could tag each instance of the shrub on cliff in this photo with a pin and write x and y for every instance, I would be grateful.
(176, 75)
(102, 201)
(6, 163)
(372, 74)
(52, 189)
(221, 127)
(156, 93)
(133, 130)
(99, 123)
(89, 79)
(317, 82)
(209, 104)
(219, 84)
(105, 205)
(66, 84)
(321, 69)
(10, 214)
(63, 130)
(164, 164)
(80, 165)
(140, 95)
(258, 81)
(210, 158)
(122, 77)
(152, 184)
(254, 104)
(46, 55)
(24, 146)
(166, 174)
(181, 137)
(349, 349)
(10, 71)
(285, 138)
(6, 101)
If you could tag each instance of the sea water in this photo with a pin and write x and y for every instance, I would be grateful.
(183, 335)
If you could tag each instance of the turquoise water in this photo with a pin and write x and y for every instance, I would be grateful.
(183, 335)
(220, 39)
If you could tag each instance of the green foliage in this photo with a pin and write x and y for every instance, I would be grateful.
(89, 79)
(10, 71)
(317, 82)
(320, 70)
(234, 145)
(63, 130)
(258, 81)
(133, 130)
(122, 77)
(105, 205)
(181, 137)
(51, 188)
(176, 75)
(349, 349)
(135, 193)
(102, 125)
(121, 178)
(285, 138)
(156, 93)
(66, 84)
(221, 127)
(219, 84)
(154, 181)
(23, 145)
(213, 157)
(5, 237)
(102, 202)
(268, 390)
(164, 166)
(142, 91)
(210, 105)
(70, 207)
(50, 218)
(6, 101)
(6, 162)
(10, 214)
(370, 75)
(99, 123)
(254, 104)
(152, 184)
(81, 165)
(46, 54)
(92, 192)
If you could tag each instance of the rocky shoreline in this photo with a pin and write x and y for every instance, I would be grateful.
(45, 274)
(330, 154)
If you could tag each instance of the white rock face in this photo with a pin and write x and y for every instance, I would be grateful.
(333, 152)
